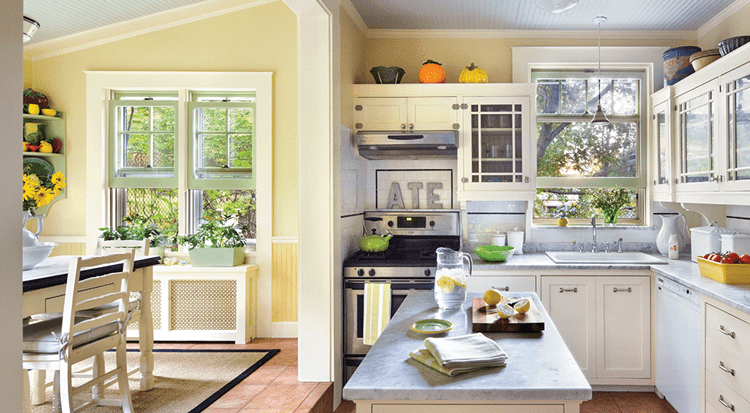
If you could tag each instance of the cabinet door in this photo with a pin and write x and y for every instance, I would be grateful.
(570, 302)
(697, 131)
(662, 162)
(623, 327)
(432, 113)
(737, 117)
(380, 113)
(480, 284)
(496, 144)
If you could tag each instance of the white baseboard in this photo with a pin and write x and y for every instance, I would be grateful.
(284, 329)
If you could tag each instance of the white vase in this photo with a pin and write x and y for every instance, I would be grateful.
(29, 238)
(669, 227)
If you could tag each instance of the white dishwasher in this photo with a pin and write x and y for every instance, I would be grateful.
(678, 359)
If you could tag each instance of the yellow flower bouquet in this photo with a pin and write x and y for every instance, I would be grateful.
(38, 192)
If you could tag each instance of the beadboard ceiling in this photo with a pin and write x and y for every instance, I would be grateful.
(62, 18)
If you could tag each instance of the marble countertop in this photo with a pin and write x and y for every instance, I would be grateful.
(540, 366)
(683, 271)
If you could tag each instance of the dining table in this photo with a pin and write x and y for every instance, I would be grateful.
(44, 293)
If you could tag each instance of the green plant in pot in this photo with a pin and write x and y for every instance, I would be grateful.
(609, 201)
(216, 244)
(136, 227)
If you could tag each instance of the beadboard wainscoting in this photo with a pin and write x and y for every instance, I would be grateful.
(284, 280)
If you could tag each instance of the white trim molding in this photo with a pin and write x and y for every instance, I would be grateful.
(285, 240)
(721, 17)
(284, 329)
(354, 14)
(529, 34)
(136, 27)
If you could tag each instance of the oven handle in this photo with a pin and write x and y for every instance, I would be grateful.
(360, 285)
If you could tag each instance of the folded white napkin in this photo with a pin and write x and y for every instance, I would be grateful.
(425, 357)
(473, 350)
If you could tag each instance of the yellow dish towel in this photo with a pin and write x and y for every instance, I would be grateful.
(377, 310)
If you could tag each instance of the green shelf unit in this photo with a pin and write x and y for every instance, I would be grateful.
(55, 128)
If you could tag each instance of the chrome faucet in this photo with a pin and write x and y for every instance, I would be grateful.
(593, 226)
(619, 245)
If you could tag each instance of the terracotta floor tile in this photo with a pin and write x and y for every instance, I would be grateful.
(288, 376)
(346, 406)
(641, 403)
(280, 396)
(600, 403)
(320, 399)
(265, 374)
(285, 358)
(239, 396)
(218, 410)
(265, 411)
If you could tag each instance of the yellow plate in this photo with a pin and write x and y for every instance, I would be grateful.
(431, 326)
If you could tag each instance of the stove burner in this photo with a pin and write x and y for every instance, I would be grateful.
(375, 255)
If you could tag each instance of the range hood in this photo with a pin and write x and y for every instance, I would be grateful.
(379, 145)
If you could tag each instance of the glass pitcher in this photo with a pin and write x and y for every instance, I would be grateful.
(450, 278)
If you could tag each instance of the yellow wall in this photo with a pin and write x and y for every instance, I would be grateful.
(26, 73)
(352, 60)
(492, 55)
(262, 38)
(736, 25)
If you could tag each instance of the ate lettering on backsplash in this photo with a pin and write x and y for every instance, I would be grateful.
(396, 199)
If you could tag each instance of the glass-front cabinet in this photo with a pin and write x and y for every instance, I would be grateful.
(737, 157)
(661, 138)
(496, 144)
(697, 131)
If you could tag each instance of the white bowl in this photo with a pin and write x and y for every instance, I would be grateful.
(36, 254)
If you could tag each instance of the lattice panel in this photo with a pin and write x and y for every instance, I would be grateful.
(203, 305)
(155, 307)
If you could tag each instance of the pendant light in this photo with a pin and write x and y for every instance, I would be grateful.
(555, 6)
(30, 26)
(599, 117)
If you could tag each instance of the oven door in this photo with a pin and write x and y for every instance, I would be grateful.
(354, 308)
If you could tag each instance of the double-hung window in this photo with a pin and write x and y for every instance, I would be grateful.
(576, 158)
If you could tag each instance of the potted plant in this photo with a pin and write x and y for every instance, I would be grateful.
(136, 227)
(609, 201)
(215, 244)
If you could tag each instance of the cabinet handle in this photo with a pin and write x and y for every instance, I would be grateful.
(721, 366)
(411, 126)
(629, 290)
(725, 404)
(654, 181)
(526, 179)
(722, 330)
(506, 288)
(568, 290)
(403, 126)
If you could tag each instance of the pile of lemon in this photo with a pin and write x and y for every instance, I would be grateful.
(494, 297)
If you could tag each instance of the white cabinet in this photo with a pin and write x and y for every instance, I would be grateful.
(571, 304)
(605, 321)
(663, 159)
(509, 283)
(406, 113)
(736, 87)
(496, 145)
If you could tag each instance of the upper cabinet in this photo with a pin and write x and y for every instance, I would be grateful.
(406, 113)
(703, 122)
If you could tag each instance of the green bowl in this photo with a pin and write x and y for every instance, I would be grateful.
(494, 253)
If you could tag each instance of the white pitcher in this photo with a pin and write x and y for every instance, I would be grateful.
(669, 227)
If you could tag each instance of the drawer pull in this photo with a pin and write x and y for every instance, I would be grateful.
(725, 404)
(721, 366)
(568, 290)
(506, 288)
(725, 332)
(621, 290)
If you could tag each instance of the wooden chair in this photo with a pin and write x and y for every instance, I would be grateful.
(58, 344)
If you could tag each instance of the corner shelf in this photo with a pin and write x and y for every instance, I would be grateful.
(55, 128)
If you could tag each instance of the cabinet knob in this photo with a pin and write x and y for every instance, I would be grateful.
(358, 107)
(403, 126)
(464, 180)
(654, 181)
(456, 126)
(456, 106)
(411, 126)
(358, 126)
(464, 106)
(526, 179)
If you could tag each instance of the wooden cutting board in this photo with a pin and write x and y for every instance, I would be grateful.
(484, 321)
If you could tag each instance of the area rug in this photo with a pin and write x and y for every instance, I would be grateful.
(186, 381)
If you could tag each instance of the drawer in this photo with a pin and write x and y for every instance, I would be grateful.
(55, 304)
(738, 376)
(718, 393)
(466, 408)
(728, 331)
(514, 284)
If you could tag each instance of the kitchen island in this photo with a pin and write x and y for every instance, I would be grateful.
(541, 374)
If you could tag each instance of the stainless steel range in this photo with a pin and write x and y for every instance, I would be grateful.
(408, 264)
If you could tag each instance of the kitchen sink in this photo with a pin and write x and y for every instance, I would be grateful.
(574, 257)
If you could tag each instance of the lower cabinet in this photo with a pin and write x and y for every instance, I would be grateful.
(605, 321)
(480, 283)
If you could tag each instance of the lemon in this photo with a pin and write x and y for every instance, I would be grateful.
(492, 297)
(522, 305)
(505, 311)
(446, 284)
(49, 112)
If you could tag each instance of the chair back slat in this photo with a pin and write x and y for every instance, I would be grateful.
(114, 278)
(101, 300)
(90, 323)
(115, 246)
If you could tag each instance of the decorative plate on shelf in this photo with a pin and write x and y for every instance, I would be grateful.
(432, 326)
(38, 167)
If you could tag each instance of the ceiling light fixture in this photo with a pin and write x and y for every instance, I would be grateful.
(30, 26)
(555, 6)
(599, 117)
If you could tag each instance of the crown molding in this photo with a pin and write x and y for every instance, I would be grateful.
(136, 27)
(531, 34)
(721, 17)
(355, 16)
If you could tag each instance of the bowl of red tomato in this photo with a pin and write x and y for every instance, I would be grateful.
(727, 268)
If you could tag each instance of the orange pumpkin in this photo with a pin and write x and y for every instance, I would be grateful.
(431, 72)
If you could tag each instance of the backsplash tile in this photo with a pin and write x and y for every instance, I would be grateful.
(382, 174)
(738, 218)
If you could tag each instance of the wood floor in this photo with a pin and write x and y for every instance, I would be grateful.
(274, 388)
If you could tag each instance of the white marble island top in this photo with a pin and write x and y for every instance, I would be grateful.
(540, 366)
